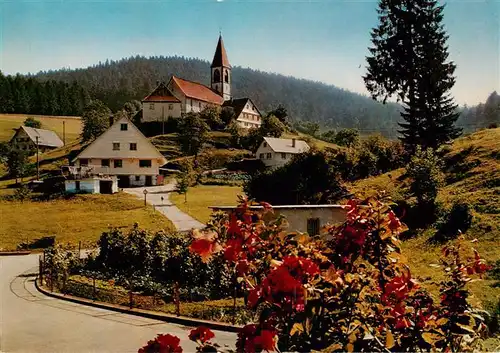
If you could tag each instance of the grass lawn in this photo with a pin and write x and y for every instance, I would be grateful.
(80, 218)
(9, 122)
(202, 196)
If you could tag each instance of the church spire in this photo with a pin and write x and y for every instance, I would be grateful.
(220, 56)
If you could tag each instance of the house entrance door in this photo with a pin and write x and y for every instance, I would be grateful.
(106, 186)
(123, 181)
(149, 180)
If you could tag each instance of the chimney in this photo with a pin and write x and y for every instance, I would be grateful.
(111, 119)
(293, 143)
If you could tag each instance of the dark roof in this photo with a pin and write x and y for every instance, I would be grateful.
(220, 56)
(198, 91)
(161, 94)
(238, 105)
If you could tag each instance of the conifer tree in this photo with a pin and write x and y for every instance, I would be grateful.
(409, 60)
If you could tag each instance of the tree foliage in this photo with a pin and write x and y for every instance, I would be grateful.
(32, 122)
(27, 95)
(271, 127)
(409, 60)
(346, 137)
(17, 163)
(307, 179)
(95, 119)
(193, 133)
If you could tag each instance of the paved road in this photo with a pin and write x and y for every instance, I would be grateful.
(31, 322)
(182, 221)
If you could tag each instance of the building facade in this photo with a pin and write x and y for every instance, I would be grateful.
(276, 152)
(309, 219)
(123, 151)
(180, 96)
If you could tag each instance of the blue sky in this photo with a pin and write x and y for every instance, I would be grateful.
(323, 40)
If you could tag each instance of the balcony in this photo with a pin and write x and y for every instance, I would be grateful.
(84, 172)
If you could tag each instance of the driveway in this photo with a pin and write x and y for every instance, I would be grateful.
(32, 322)
(182, 221)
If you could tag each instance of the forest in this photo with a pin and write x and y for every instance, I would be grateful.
(66, 92)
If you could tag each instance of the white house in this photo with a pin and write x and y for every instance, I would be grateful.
(180, 96)
(276, 152)
(123, 151)
(246, 113)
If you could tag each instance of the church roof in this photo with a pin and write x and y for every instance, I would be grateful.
(198, 91)
(220, 56)
(161, 94)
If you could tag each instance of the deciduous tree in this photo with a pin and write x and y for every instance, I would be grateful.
(95, 120)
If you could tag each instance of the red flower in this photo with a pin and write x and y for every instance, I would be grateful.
(234, 228)
(162, 344)
(266, 205)
(252, 339)
(233, 250)
(266, 341)
(394, 223)
(205, 245)
(300, 266)
(202, 334)
(242, 267)
(254, 296)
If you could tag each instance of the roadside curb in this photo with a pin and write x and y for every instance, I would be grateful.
(15, 253)
(182, 320)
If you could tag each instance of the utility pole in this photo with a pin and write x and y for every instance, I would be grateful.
(64, 133)
(37, 167)
(163, 119)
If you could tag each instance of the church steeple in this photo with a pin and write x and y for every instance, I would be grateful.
(221, 71)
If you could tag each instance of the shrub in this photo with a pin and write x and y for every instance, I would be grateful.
(425, 171)
(457, 220)
(22, 193)
(352, 292)
(347, 137)
(32, 122)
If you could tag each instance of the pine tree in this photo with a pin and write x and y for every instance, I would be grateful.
(409, 60)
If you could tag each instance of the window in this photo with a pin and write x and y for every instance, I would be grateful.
(283, 155)
(226, 76)
(133, 146)
(116, 146)
(269, 156)
(199, 105)
(137, 178)
(77, 185)
(117, 163)
(151, 106)
(104, 162)
(170, 107)
(145, 163)
(261, 156)
(124, 127)
(265, 144)
(84, 161)
(313, 226)
(216, 75)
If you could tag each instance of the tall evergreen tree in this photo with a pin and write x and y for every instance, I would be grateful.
(409, 60)
(95, 120)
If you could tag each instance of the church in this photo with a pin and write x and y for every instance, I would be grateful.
(180, 96)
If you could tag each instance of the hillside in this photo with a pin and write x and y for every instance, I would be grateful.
(472, 176)
(73, 125)
(116, 82)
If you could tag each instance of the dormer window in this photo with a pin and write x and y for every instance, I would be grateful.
(123, 127)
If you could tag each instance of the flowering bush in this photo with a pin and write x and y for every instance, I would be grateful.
(347, 290)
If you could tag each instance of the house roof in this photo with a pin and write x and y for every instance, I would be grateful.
(239, 104)
(220, 56)
(94, 150)
(161, 94)
(198, 91)
(45, 137)
(286, 145)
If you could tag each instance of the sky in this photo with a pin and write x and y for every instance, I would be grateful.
(322, 40)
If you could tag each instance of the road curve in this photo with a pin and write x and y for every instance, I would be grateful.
(33, 322)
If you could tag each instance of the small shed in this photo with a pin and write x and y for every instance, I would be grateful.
(302, 218)
(92, 185)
